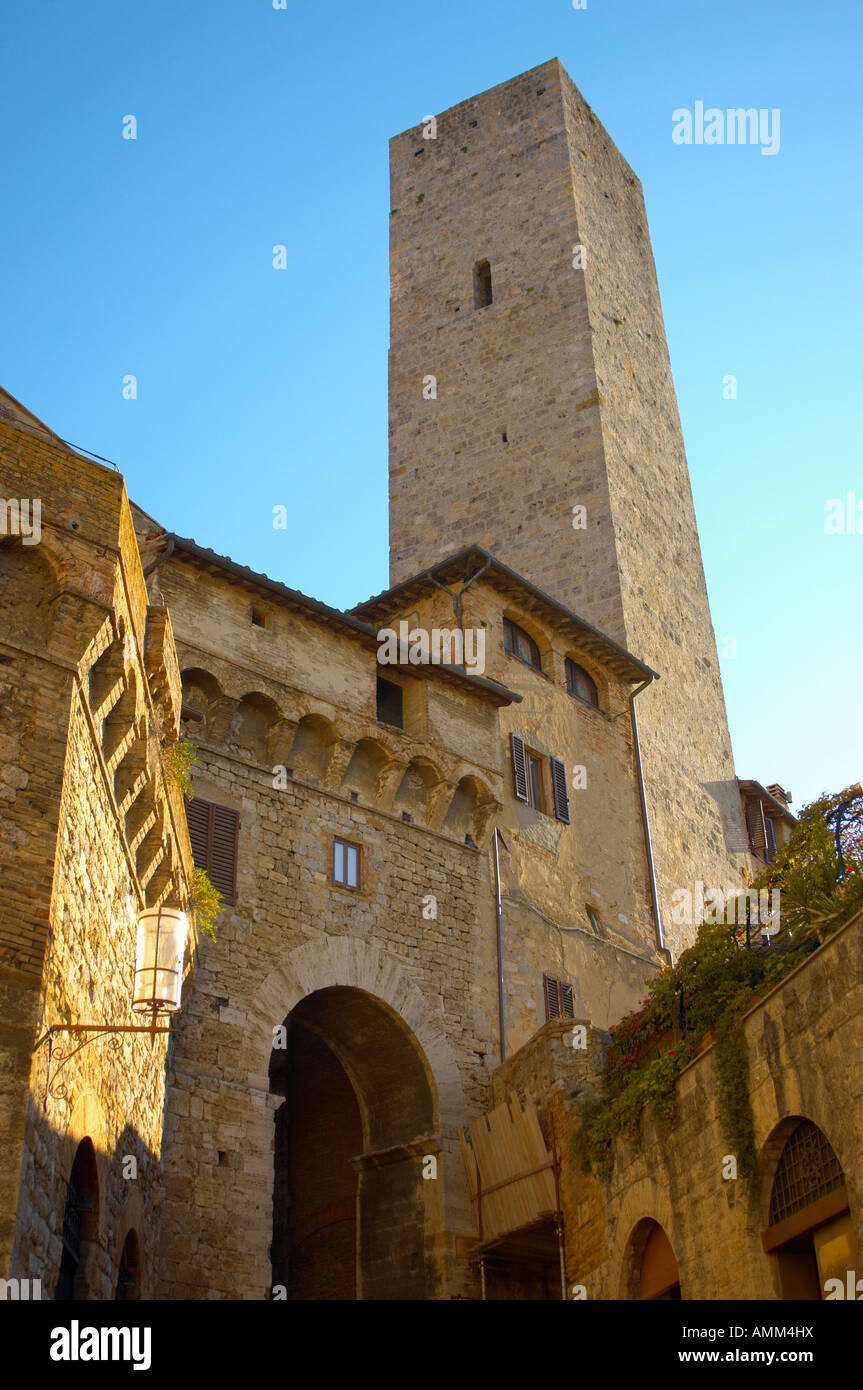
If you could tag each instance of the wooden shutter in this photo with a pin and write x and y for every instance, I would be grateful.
(519, 767)
(214, 832)
(755, 826)
(561, 795)
(558, 998)
(552, 997)
(198, 820)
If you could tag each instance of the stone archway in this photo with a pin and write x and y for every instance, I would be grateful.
(650, 1270)
(376, 1052)
(349, 1208)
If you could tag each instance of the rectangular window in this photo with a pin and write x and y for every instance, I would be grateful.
(346, 864)
(770, 835)
(214, 834)
(558, 998)
(389, 703)
(534, 782)
(482, 293)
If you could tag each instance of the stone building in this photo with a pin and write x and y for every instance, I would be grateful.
(447, 824)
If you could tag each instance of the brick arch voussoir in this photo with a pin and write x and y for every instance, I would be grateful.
(338, 961)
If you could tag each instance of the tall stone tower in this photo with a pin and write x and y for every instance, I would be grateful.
(532, 410)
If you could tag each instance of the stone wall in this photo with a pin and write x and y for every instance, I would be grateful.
(558, 395)
(408, 1001)
(803, 1042)
(91, 833)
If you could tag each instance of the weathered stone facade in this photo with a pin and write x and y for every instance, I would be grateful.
(91, 834)
(558, 395)
(802, 1042)
(431, 870)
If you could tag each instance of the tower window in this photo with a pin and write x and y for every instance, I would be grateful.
(481, 284)
(580, 684)
(517, 642)
(389, 703)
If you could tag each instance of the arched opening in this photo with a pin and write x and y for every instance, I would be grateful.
(349, 1200)
(463, 819)
(412, 797)
(250, 726)
(28, 586)
(365, 770)
(128, 1274)
(80, 1225)
(200, 689)
(651, 1267)
(809, 1232)
(312, 748)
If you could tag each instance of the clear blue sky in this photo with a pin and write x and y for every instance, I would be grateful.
(256, 387)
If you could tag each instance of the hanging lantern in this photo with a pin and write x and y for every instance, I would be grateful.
(159, 963)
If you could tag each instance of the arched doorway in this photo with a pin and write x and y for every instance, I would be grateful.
(809, 1230)
(128, 1274)
(651, 1267)
(349, 1199)
(80, 1224)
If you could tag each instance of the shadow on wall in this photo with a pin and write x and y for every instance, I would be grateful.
(107, 1208)
(726, 795)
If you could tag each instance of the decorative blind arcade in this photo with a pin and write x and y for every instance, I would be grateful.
(213, 832)
(558, 779)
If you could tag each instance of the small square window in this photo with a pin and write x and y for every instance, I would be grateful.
(346, 864)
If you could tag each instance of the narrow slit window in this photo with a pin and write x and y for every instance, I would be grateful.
(482, 295)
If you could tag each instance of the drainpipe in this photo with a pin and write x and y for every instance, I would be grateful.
(657, 912)
(457, 605)
(498, 914)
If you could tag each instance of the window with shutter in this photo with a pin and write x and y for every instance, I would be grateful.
(561, 794)
(213, 833)
(755, 826)
(519, 767)
(771, 839)
(558, 998)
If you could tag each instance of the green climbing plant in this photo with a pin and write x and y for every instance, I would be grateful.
(819, 875)
(179, 759)
(205, 902)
